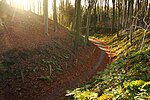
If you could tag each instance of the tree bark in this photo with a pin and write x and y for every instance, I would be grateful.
(78, 11)
(45, 11)
(95, 16)
(88, 20)
(113, 17)
(55, 16)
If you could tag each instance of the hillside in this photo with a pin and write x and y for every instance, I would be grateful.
(24, 29)
(36, 66)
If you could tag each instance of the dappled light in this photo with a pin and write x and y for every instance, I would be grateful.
(74, 49)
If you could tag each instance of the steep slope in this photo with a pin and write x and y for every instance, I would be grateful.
(34, 66)
(23, 29)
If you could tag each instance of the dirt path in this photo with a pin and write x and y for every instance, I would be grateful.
(104, 58)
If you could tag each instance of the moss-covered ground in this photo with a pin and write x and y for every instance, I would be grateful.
(128, 77)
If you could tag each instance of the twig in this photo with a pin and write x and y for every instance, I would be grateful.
(145, 21)
(22, 76)
(50, 70)
(142, 44)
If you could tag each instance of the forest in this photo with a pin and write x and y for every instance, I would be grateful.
(74, 49)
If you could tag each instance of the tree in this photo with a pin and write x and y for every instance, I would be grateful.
(67, 3)
(148, 14)
(45, 14)
(124, 5)
(74, 19)
(106, 9)
(95, 15)
(119, 14)
(33, 5)
(89, 10)
(113, 18)
(55, 16)
(78, 13)
(39, 7)
(61, 9)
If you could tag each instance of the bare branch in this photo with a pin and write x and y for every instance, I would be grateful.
(145, 21)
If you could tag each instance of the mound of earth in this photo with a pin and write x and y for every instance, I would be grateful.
(34, 66)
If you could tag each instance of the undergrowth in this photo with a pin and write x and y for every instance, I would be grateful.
(46, 59)
(127, 78)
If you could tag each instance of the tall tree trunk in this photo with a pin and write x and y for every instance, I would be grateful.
(78, 10)
(33, 5)
(95, 16)
(67, 3)
(88, 20)
(62, 8)
(102, 13)
(98, 12)
(39, 7)
(113, 18)
(74, 18)
(117, 16)
(45, 11)
(149, 14)
(123, 13)
(131, 21)
(130, 12)
(105, 13)
(55, 16)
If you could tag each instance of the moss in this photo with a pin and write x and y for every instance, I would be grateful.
(105, 97)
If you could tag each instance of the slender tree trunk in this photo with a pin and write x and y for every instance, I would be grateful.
(102, 13)
(95, 17)
(67, 3)
(146, 12)
(78, 10)
(149, 14)
(105, 13)
(55, 16)
(74, 18)
(62, 8)
(131, 19)
(123, 14)
(33, 5)
(88, 20)
(118, 18)
(39, 7)
(45, 11)
(113, 18)
(98, 12)
(87, 28)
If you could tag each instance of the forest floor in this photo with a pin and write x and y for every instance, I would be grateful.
(126, 78)
(35, 66)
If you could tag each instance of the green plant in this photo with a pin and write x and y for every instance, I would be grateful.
(127, 78)
(82, 95)
(105, 97)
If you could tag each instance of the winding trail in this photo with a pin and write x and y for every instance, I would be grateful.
(105, 57)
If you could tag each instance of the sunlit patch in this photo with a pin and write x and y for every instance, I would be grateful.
(23, 4)
(33, 5)
(20, 2)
